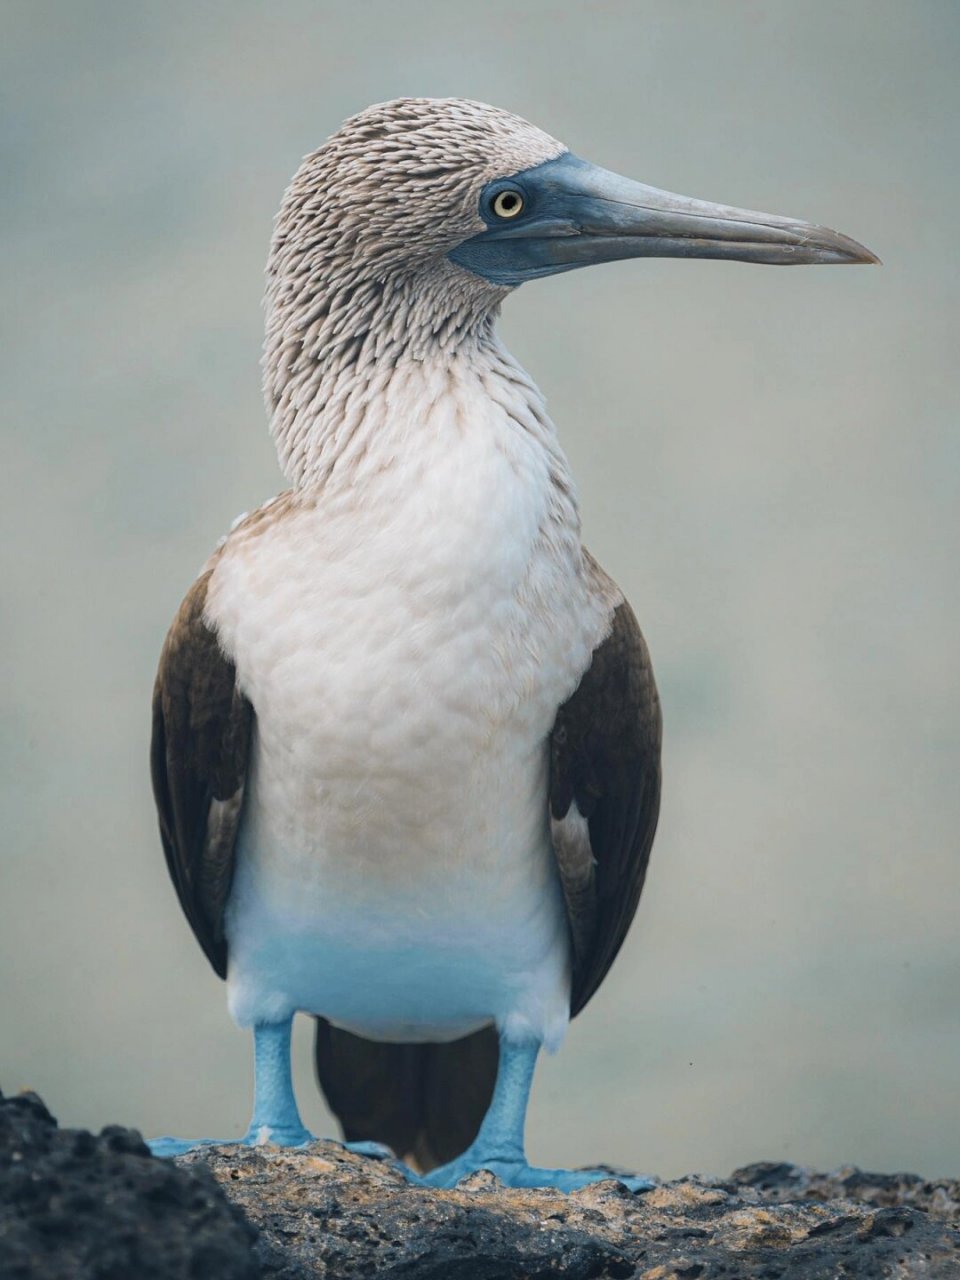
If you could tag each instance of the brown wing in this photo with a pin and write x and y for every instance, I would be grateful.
(198, 762)
(605, 798)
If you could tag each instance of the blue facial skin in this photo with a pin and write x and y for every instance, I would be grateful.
(575, 214)
(513, 250)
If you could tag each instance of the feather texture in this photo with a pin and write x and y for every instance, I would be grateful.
(371, 808)
(605, 798)
(198, 759)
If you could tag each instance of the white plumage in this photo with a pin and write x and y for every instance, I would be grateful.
(406, 641)
(406, 747)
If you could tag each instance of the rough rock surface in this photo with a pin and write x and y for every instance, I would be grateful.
(78, 1207)
(326, 1213)
(101, 1208)
(781, 1182)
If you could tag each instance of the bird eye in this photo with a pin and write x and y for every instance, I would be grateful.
(508, 203)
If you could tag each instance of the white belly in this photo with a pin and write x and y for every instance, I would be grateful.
(405, 659)
(404, 912)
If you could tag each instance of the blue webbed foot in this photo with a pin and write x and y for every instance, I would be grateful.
(517, 1173)
(373, 1150)
(276, 1120)
(498, 1147)
(166, 1148)
(263, 1136)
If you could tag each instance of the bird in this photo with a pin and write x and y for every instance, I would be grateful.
(406, 732)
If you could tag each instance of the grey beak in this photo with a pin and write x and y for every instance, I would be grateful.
(576, 214)
(648, 222)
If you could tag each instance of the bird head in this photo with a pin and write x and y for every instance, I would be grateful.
(408, 227)
(405, 187)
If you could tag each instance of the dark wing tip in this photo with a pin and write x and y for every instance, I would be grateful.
(605, 758)
(198, 761)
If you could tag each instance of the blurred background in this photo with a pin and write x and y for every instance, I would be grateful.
(768, 463)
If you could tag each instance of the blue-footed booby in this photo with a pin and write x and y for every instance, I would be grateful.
(406, 743)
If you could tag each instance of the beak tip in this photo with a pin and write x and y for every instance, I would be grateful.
(866, 257)
(855, 253)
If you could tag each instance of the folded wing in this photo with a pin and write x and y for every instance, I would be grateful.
(198, 761)
(605, 798)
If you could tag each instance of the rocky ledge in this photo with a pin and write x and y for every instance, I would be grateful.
(74, 1205)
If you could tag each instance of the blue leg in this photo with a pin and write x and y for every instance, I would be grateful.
(275, 1116)
(499, 1145)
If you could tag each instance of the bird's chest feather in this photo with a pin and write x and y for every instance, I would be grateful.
(405, 640)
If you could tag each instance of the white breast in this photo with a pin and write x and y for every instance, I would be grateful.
(405, 636)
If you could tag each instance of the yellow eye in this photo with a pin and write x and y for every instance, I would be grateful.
(508, 204)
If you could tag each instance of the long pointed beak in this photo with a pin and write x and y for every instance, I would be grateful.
(628, 219)
(580, 214)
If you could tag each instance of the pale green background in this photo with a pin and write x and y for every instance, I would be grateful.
(767, 460)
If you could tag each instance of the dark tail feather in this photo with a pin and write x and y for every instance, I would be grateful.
(426, 1101)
